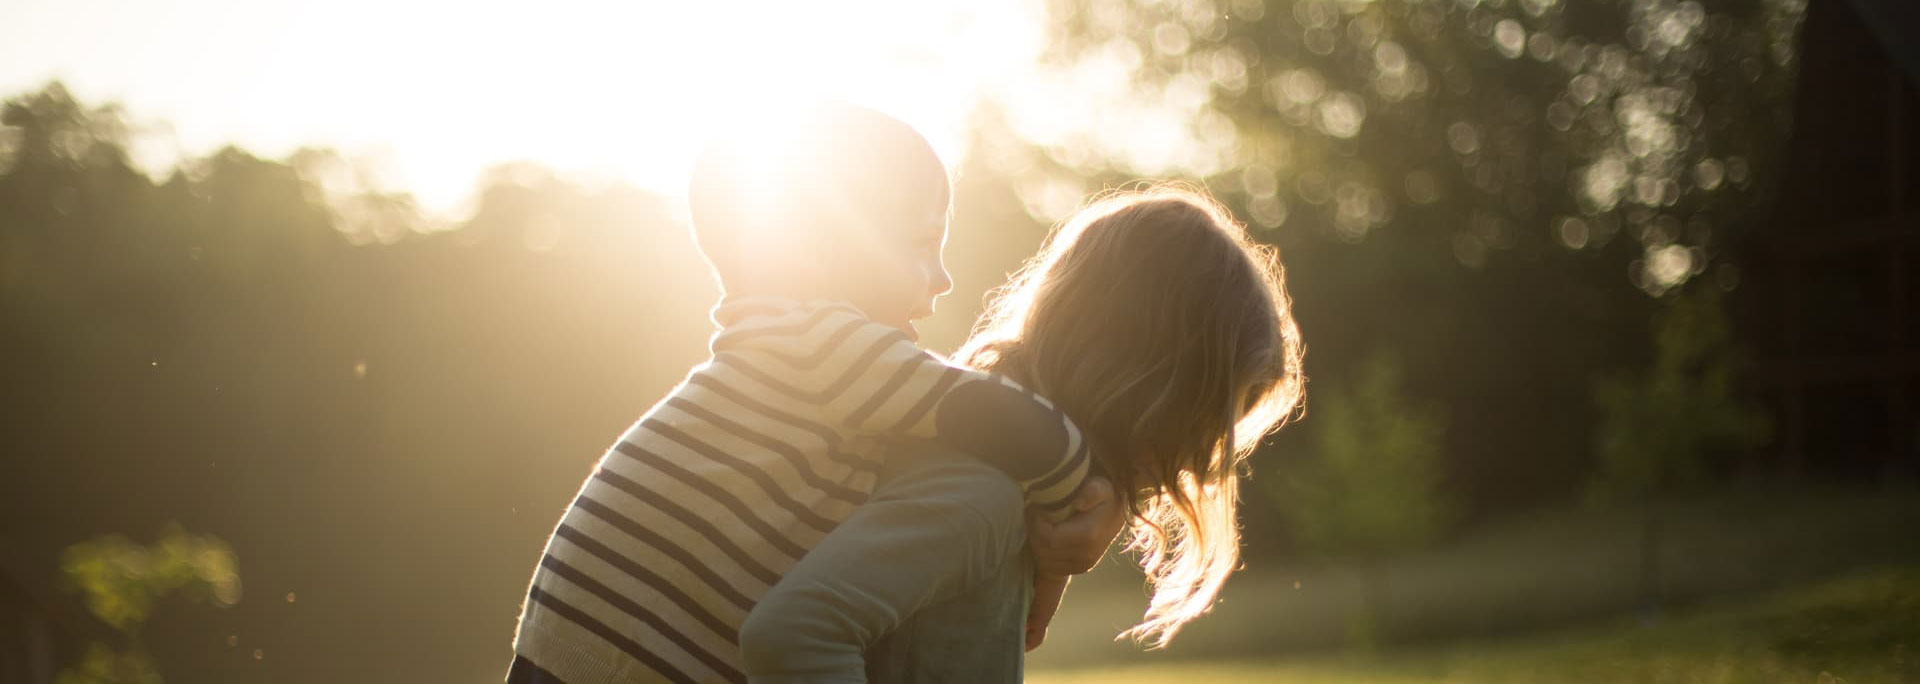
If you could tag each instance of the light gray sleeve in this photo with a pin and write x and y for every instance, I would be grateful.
(937, 525)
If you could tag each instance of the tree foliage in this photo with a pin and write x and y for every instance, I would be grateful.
(1494, 187)
(123, 580)
(1492, 126)
(290, 348)
(1373, 484)
(356, 395)
(1659, 427)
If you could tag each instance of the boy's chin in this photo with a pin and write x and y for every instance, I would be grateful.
(904, 326)
(902, 321)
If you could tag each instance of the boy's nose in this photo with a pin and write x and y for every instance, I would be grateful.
(941, 282)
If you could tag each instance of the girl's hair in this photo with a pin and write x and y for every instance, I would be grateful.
(1166, 333)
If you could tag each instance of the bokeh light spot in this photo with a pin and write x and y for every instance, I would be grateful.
(1573, 233)
(1708, 173)
(1462, 137)
(1510, 38)
(1171, 39)
(1342, 114)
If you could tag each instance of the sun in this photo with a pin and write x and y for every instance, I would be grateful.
(434, 93)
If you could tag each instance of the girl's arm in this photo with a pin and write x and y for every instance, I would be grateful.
(1047, 592)
(1062, 550)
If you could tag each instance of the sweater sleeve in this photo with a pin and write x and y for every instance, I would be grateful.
(869, 379)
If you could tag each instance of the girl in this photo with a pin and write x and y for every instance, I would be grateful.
(1156, 324)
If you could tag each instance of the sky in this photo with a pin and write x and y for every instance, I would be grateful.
(433, 93)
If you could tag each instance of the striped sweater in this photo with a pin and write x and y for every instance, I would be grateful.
(760, 452)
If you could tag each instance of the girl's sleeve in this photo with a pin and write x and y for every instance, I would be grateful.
(870, 379)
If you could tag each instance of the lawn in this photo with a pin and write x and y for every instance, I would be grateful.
(1860, 628)
(1530, 574)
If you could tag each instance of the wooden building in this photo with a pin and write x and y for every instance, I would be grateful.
(1830, 293)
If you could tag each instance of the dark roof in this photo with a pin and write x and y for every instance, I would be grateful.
(1896, 23)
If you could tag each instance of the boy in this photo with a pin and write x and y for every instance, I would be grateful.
(827, 240)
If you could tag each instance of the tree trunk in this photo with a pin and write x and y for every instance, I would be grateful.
(1650, 530)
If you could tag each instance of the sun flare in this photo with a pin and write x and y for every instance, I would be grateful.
(433, 93)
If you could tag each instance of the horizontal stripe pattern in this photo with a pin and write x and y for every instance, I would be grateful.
(719, 489)
(580, 619)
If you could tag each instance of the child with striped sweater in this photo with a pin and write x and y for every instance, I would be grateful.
(827, 240)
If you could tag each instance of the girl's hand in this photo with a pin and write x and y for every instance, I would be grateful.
(1047, 591)
(1075, 545)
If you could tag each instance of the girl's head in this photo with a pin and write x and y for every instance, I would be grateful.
(1154, 321)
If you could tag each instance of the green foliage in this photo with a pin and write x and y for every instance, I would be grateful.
(122, 580)
(1657, 428)
(218, 319)
(104, 665)
(1855, 629)
(52, 128)
(1374, 486)
(1486, 127)
(1478, 176)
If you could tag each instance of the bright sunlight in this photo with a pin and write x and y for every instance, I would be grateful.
(432, 93)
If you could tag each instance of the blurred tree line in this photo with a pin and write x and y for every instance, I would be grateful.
(381, 418)
(1498, 196)
(1481, 206)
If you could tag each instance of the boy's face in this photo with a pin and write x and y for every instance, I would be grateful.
(909, 272)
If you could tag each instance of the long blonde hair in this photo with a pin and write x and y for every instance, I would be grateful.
(1166, 333)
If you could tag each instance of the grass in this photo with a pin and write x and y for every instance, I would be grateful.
(1542, 571)
(1861, 628)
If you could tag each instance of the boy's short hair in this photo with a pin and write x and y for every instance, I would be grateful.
(803, 184)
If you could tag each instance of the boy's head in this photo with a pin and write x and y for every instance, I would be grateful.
(833, 201)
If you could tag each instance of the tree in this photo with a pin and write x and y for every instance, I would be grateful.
(1491, 126)
(253, 341)
(1658, 428)
(1373, 487)
(122, 581)
(1495, 187)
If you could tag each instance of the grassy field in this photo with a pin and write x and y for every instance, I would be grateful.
(1860, 628)
(1524, 575)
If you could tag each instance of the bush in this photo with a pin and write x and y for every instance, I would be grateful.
(1658, 428)
(1373, 487)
